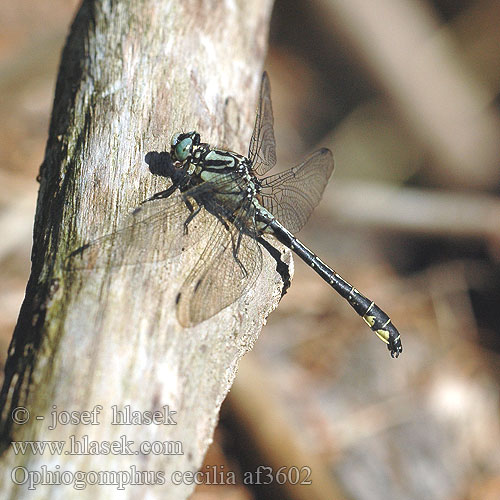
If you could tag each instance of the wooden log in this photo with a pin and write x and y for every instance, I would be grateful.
(104, 340)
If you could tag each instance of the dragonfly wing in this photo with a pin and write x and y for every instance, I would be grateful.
(262, 150)
(291, 196)
(153, 232)
(226, 269)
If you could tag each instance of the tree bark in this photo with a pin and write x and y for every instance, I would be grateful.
(132, 74)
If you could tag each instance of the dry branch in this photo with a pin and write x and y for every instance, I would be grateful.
(253, 401)
(132, 73)
(448, 107)
(416, 211)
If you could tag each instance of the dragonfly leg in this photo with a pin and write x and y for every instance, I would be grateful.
(220, 218)
(236, 249)
(192, 215)
(162, 194)
(236, 246)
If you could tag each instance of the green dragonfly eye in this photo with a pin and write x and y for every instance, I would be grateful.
(183, 148)
(175, 139)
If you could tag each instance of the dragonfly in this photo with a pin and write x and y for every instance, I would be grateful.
(225, 196)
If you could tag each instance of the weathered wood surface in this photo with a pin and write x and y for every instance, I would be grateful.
(132, 73)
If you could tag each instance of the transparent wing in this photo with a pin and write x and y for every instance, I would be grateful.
(153, 232)
(262, 150)
(228, 266)
(291, 196)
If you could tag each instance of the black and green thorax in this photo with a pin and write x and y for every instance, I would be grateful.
(230, 173)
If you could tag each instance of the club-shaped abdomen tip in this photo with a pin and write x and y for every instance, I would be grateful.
(387, 333)
(393, 340)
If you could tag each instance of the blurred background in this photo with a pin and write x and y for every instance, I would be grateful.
(406, 94)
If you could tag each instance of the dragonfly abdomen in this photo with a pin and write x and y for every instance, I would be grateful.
(378, 321)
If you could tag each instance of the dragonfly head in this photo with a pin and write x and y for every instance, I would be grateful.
(182, 145)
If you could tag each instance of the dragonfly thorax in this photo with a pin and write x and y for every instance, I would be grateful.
(205, 162)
